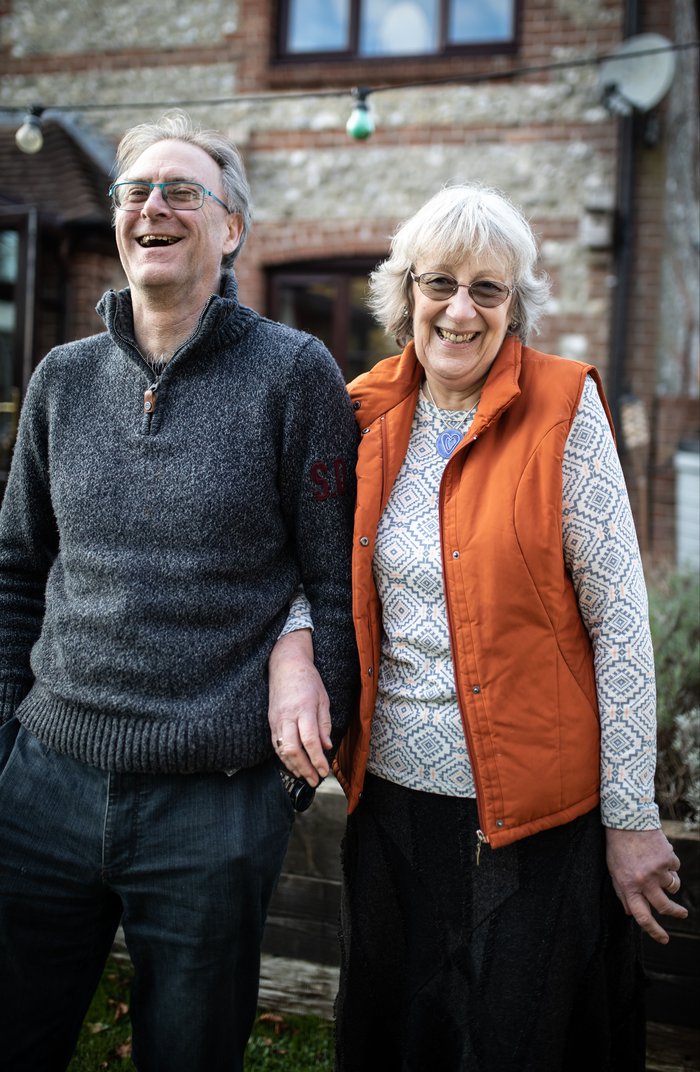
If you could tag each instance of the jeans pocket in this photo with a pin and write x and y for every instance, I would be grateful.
(8, 736)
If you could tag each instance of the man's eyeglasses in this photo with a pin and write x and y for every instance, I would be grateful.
(183, 196)
(439, 286)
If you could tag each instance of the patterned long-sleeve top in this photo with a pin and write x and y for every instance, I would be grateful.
(417, 734)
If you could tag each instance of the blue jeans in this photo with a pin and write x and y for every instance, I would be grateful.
(187, 862)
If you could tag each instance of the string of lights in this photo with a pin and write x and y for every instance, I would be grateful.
(361, 123)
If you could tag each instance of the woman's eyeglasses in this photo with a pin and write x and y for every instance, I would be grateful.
(439, 286)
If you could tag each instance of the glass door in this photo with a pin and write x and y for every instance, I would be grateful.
(17, 229)
(329, 300)
(10, 389)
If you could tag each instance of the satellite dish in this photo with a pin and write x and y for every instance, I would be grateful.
(630, 79)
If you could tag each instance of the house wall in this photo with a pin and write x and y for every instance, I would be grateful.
(91, 273)
(544, 138)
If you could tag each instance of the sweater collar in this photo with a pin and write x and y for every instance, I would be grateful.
(221, 316)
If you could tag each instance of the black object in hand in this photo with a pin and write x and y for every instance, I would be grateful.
(300, 792)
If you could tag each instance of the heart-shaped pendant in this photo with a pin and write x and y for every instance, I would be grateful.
(447, 442)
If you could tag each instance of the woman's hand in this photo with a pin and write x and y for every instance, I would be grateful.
(644, 871)
(299, 709)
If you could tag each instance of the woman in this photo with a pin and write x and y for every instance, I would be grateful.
(506, 726)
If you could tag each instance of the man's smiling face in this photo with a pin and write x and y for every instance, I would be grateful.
(166, 250)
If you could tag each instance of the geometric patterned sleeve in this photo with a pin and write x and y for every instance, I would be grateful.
(299, 615)
(602, 556)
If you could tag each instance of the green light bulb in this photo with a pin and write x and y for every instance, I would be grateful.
(361, 122)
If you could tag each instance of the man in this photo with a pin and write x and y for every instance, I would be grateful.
(175, 481)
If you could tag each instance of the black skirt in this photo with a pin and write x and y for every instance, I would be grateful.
(522, 962)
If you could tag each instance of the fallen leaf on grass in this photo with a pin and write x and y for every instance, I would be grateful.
(273, 1018)
(121, 1009)
(95, 1029)
(124, 1050)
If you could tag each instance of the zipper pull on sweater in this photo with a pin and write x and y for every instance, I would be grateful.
(149, 398)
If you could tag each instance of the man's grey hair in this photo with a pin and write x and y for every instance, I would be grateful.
(178, 126)
(461, 221)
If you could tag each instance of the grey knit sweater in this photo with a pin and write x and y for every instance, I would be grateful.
(147, 560)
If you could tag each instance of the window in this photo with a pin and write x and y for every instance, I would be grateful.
(9, 388)
(367, 28)
(329, 300)
(32, 274)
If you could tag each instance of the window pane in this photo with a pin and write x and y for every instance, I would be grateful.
(309, 307)
(367, 341)
(9, 256)
(333, 306)
(480, 20)
(9, 393)
(398, 27)
(318, 25)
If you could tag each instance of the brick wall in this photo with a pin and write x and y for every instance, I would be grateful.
(91, 274)
(675, 419)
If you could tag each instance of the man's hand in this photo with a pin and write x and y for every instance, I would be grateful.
(299, 709)
(644, 871)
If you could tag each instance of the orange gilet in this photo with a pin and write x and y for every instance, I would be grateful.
(522, 657)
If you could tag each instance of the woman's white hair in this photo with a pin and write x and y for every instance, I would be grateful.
(461, 221)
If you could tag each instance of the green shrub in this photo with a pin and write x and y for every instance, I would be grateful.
(674, 613)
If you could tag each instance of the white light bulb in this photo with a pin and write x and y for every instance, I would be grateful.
(29, 137)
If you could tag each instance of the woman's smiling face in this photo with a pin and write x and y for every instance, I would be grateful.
(457, 341)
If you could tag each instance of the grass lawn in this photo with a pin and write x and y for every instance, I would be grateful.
(285, 1043)
(279, 1041)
